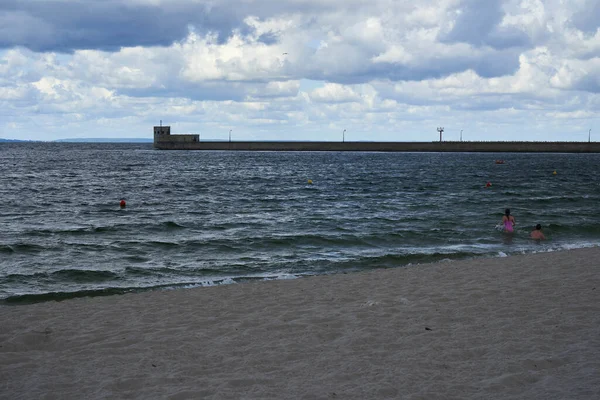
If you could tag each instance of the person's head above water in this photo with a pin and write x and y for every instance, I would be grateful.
(538, 227)
(507, 212)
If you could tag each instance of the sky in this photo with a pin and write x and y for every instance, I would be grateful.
(382, 70)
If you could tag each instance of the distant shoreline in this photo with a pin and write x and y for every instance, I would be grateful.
(81, 140)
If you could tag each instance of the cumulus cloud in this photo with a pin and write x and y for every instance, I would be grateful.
(300, 66)
(334, 93)
(578, 75)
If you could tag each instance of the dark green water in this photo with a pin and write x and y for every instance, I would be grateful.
(206, 218)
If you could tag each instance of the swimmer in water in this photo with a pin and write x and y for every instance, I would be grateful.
(508, 221)
(537, 233)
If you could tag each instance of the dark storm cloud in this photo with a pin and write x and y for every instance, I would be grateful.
(588, 83)
(64, 26)
(268, 38)
(86, 25)
(484, 64)
(588, 19)
(476, 21)
(478, 24)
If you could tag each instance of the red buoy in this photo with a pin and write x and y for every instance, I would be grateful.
(489, 184)
(122, 203)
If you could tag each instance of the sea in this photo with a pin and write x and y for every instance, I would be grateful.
(205, 218)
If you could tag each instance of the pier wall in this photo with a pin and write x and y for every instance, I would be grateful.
(165, 141)
(509, 147)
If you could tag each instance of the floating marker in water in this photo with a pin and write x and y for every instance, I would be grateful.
(489, 184)
(122, 203)
(554, 173)
(310, 181)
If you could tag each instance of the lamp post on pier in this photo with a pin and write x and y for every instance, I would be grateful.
(589, 136)
(344, 136)
(461, 135)
(440, 130)
(230, 136)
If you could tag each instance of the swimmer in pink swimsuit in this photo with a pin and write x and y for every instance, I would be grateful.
(508, 221)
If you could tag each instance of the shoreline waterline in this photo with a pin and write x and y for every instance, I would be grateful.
(32, 298)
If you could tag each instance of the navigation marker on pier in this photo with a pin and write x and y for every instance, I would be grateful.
(440, 130)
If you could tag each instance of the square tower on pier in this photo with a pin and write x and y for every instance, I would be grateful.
(162, 130)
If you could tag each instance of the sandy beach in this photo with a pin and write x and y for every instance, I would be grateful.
(519, 327)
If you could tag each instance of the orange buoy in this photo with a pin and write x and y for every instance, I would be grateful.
(122, 203)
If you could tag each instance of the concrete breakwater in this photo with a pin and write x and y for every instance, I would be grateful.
(165, 141)
(507, 147)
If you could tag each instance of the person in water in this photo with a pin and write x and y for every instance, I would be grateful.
(508, 221)
(537, 233)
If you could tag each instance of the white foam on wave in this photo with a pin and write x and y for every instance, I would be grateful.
(551, 247)
(227, 281)
(580, 245)
(287, 276)
(446, 260)
(548, 247)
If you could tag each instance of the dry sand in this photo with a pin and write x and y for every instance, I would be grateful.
(523, 327)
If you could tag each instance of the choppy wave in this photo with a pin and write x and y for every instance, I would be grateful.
(63, 275)
(223, 217)
(6, 249)
(193, 278)
(59, 296)
(30, 298)
(25, 248)
(583, 228)
(171, 225)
